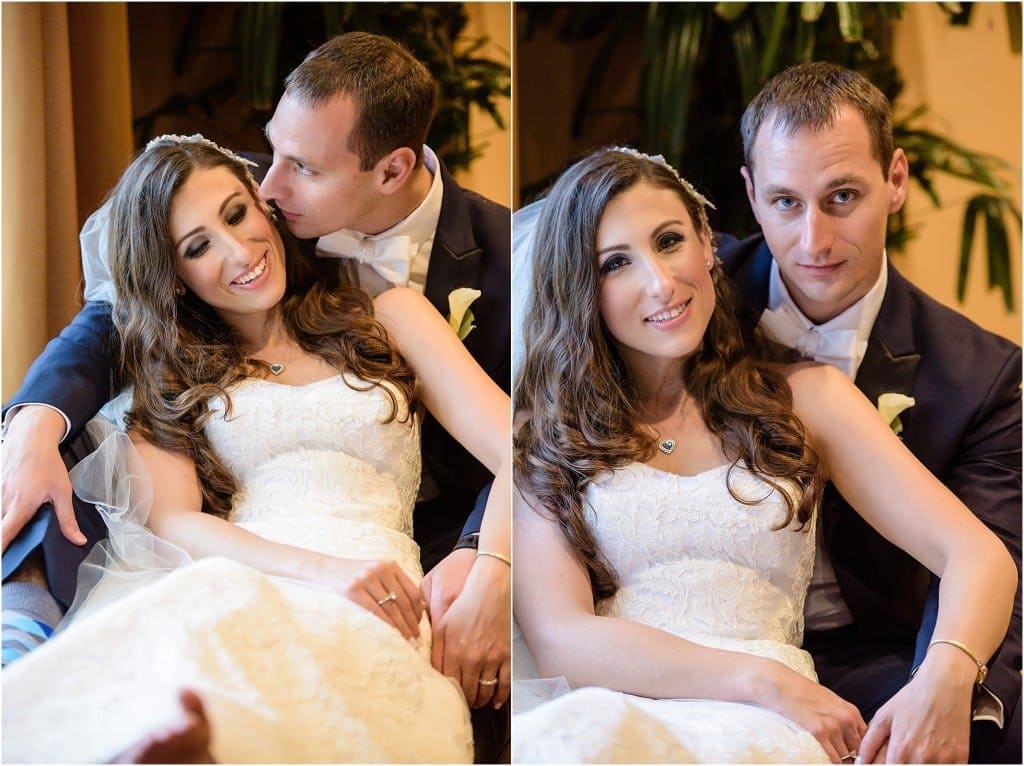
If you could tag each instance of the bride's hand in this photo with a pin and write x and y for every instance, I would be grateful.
(471, 641)
(834, 722)
(381, 587)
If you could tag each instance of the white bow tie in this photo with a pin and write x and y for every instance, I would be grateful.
(389, 257)
(839, 348)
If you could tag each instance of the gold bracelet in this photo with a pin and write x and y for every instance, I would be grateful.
(497, 556)
(982, 667)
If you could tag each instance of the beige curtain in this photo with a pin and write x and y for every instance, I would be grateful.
(66, 138)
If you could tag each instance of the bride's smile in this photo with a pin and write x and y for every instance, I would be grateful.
(656, 294)
(227, 250)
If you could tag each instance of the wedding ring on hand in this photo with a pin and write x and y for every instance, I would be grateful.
(850, 757)
(492, 682)
(390, 597)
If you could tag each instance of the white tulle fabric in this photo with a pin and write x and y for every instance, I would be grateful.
(287, 673)
(695, 562)
(94, 239)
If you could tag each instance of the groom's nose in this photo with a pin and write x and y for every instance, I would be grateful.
(816, 233)
(272, 188)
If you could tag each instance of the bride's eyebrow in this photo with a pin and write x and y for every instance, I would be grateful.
(670, 222)
(220, 212)
(611, 248)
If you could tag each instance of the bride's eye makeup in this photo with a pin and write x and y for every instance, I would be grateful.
(670, 240)
(196, 248)
(237, 215)
(234, 217)
(611, 264)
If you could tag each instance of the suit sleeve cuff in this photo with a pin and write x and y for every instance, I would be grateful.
(988, 707)
(7, 419)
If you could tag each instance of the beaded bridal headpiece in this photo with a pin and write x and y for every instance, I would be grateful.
(702, 202)
(201, 140)
(197, 138)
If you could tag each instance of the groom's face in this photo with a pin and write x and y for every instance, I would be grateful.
(823, 201)
(315, 180)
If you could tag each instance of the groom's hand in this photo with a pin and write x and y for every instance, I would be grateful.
(471, 642)
(929, 719)
(33, 473)
(443, 584)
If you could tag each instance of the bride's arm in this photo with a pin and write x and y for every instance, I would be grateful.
(456, 391)
(176, 516)
(554, 608)
(471, 641)
(908, 506)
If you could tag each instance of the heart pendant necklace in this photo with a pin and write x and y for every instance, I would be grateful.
(277, 368)
(667, 446)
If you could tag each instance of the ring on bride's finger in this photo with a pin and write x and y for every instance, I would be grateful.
(492, 682)
(850, 757)
(390, 597)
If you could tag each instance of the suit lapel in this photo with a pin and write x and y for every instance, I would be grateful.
(758, 276)
(891, 359)
(455, 258)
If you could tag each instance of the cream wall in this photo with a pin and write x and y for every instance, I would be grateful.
(971, 82)
(491, 174)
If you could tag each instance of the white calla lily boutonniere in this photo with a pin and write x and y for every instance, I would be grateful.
(460, 317)
(890, 406)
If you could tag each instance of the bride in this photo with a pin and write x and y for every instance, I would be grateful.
(272, 455)
(666, 493)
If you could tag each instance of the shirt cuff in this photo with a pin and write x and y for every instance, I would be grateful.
(67, 420)
(988, 707)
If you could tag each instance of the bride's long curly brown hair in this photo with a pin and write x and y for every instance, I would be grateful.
(577, 399)
(178, 352)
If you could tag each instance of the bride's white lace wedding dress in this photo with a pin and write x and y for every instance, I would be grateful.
(287, 673)
(692, 561)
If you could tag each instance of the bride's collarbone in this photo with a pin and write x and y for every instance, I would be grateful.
(688, 451)
(301, 370)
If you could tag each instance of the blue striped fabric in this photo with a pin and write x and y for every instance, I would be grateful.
(21, 634)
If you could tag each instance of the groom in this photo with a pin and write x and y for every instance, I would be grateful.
(822, 177)
(350, 167)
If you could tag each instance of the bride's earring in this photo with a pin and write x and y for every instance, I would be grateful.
(179, 290)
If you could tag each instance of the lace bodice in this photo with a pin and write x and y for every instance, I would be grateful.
(317, 467)
(289, 672)
(694, 561)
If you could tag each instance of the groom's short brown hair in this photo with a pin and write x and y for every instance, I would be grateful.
(810, 96)
(395, 94)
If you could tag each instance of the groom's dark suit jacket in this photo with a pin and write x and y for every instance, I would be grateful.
(965, 427)
(471, 249)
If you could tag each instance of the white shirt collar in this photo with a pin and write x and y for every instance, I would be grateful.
(420, 226)
(860, 317)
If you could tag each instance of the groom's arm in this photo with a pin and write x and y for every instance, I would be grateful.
(73, 374)
(987, 479)
(476, 517)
